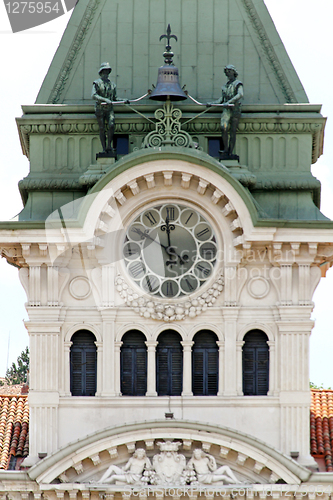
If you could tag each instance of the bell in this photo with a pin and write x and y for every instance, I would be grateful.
(167, 86)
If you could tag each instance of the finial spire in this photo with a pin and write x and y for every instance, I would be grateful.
(168, 55)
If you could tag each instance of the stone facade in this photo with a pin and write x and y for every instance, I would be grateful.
(268, 245)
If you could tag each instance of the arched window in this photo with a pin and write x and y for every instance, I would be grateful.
(169, 364)
(205, 358)
(255, 364)
(133, 364)
(83, 361)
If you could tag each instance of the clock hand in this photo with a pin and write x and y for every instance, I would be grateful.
(166, 248)
(146, 235)
(167, 227)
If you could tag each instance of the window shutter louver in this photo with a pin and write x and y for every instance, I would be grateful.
(198, 372)
(212, 371)
(127, 371)
(162, 372)
(169, 364)
(177, 372)
(76, 373)
(255, 364)
(205, 364)
(83, 364)
(249, 371)
(141, 372)
(262, 378)
(133, 364)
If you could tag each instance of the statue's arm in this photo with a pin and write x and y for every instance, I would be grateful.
(219, 101)
(128, 465)
(212, 464)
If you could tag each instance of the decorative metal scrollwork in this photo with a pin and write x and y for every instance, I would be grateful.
(168, 130)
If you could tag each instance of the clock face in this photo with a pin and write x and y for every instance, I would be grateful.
(170, 250)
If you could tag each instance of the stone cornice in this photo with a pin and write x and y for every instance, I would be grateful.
(78, 120)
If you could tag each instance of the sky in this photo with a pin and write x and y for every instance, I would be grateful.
(306, 31)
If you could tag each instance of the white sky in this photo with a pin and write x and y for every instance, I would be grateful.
(305, 27)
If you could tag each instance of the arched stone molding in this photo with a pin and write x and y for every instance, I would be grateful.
(256, 326)
(167, 326)
(66, 355)
(250, 457)
(82, 326)
(272, 344)
(215, 183)
(132, 326)
(207, 326)
(219, 209)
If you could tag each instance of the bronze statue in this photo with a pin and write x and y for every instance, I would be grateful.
(104, 93)
(232, 94)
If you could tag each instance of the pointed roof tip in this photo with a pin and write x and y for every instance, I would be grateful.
(68, 79)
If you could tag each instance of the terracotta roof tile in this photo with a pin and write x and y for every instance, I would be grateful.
(14, 424)
(11, 390)
(321, 426)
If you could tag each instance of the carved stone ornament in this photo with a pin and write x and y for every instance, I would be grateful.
(168, 311)
(169, 468)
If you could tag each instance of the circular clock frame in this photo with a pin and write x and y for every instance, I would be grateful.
(170, 249)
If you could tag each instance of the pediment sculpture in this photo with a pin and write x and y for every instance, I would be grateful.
(169, 468)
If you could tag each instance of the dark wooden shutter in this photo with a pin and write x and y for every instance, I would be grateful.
(83, 364)
(76, 372)
(255, 364)
(212, 381)
(205, 364)
(262, 358)
(249, 372)
(127, 381)
(133, 364)
(169, 364)
(162, 368)
(198, 372)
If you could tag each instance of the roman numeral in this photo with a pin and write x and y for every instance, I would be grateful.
(189, 217)
(151, 218)
(129, 251)
(203, 270)
(170, 213)
(136, 269)
(190, 287)
(136, 230)
(169, 288)
(202, 232)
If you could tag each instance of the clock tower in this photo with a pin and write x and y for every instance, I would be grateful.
(169, 278)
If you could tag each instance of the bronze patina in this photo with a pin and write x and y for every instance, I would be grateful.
(232, 94)
(104, 92)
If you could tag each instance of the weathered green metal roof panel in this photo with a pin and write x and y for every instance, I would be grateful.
(211, 34)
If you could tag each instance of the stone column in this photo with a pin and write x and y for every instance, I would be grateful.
(272, 384)
(99, 381)
(239, 374)
(230, 316)
(221, 367)
(187, 367)
(151, 368)
(67, 370)
(117, 346)
(108, 367)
